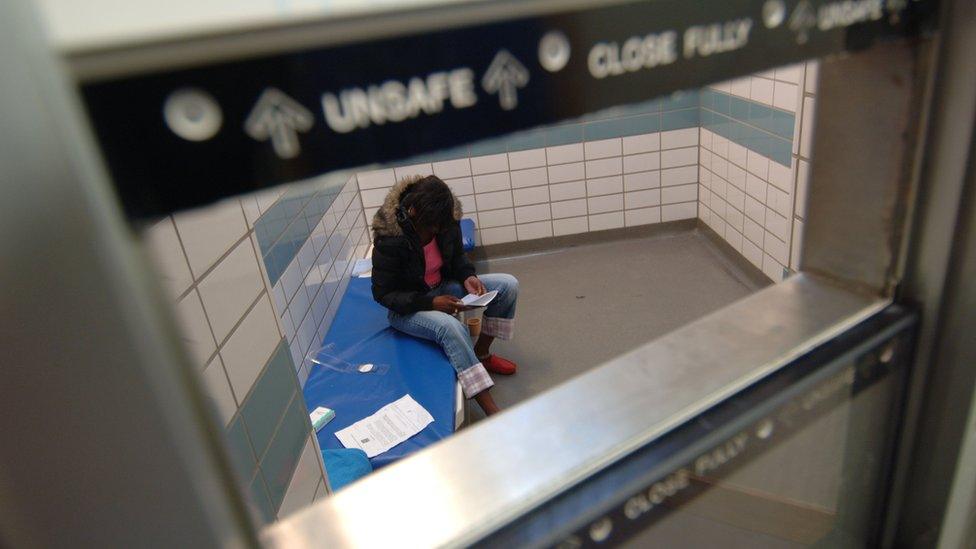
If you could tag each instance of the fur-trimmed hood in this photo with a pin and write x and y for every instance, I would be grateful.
(385, 221)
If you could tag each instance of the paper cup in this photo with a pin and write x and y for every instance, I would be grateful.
(474, 326)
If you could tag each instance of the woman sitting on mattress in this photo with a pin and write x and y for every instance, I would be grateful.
(420, 273)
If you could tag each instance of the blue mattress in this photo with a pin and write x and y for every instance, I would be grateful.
(467, 234)
(361, 334)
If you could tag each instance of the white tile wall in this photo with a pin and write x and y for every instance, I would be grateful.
(529, 178)
(250, 346)
(741, 87)
(776, 248)
(641, 143)
(194, 328)
(531, 195)
(780, 88)
(566, 172)
(526, 159)
(268, 197)
(207, 259)
(496, 218)
(374, 197)
(167, 253)
(679, 157)
(489, 164)
(642, 216)
(310, 290)
(675, 212)
(461, 186)
(642, 199)
(498, 235)
(468, 206)
(604, 185)
(642, 180)
(761, 90)
(567, 191)
(611, 220)
(795, 245)
(772, 268)
(579, 187)
(790, 73)
(757, 204)
(757, 164)
(492, 182)
(208, 233)
(568, 208)
(602, 149)
(810, 82)
(219, 391)
(376, 179)
(642, 162)
(604, 167)
(806, 137)
(493, 201)
(676, 139)
(304, 482)
(413, 169)
(452, 168)
(231, 288)
(801, 163)
(802, 175)
(785, 96)
(574, 225)
(564, 154)
(528, 214)
(752, 252)
(679, 176)
(531, 231)
(601, 204)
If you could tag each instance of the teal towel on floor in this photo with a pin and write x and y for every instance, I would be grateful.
(345, 466)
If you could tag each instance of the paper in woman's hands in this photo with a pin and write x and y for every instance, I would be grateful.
(472, 300)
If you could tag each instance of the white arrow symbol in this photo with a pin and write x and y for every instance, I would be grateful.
(802, 20)
(280, 118)
(504, 76)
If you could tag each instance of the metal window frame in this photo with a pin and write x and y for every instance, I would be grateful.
(480, 478)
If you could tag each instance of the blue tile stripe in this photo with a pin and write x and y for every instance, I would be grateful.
(279, 462)
(757, 127)
(565, 134)
(286, 226)
(265, 405)
(677, 111)
(267, 436)
(734, 117)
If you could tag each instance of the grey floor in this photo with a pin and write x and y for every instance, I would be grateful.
(581, 306)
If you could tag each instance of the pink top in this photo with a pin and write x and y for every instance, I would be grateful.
(432, 263)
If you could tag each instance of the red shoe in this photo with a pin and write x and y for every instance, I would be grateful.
(498, 365)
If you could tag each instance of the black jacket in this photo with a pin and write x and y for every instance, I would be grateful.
(398, 257)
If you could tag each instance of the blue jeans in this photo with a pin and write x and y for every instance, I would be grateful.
(448, 332)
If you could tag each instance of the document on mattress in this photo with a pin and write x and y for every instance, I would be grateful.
(472, 300)
(363, 267)
(389, 426)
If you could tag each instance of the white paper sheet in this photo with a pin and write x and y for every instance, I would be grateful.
(363, 267)
(472, 300)
(389, 426)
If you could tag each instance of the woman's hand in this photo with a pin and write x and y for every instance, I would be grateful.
(474, 286)
(448, 304)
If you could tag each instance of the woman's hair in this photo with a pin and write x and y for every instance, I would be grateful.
(432, 201)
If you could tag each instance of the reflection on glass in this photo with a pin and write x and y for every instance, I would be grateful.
(819, 483)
